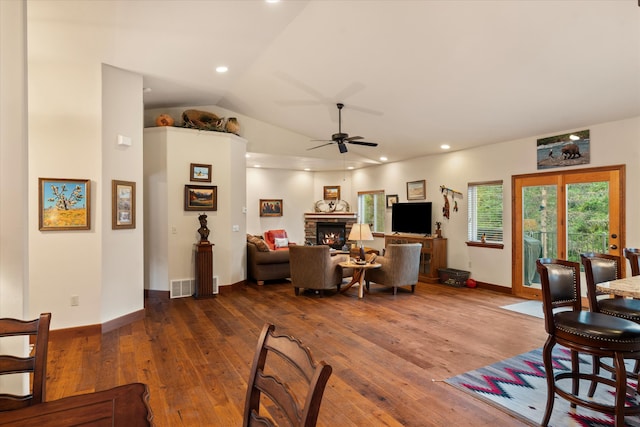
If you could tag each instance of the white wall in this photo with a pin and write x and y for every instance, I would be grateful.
(171, 232)
(72, 127)
(13, 161)
(122, 249)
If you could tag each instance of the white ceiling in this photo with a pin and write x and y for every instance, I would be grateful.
(412, 74)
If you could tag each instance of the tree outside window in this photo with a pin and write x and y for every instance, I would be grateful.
(371, 209)
(485, 211)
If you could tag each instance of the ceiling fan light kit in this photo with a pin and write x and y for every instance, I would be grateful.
(341, 138)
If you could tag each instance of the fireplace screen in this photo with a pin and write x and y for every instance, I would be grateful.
(331, 233)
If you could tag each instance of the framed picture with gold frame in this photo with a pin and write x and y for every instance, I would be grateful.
(331, 192)
(270, 207)
(123, 204)
(64, 204)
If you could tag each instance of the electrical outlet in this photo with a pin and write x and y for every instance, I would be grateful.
(75, 300)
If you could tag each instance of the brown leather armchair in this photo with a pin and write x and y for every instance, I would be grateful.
(400, 266)
(313, 267)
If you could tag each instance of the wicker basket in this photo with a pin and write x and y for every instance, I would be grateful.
(453, 277)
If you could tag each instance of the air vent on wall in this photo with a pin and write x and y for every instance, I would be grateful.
(182, 288)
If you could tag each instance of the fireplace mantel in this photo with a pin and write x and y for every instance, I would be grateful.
(326, 215)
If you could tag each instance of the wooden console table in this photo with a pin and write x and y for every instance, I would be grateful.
(124, 406)
(433, 254)
(204, 270)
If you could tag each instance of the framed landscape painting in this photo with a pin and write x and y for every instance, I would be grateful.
(200, 198)
(200, 172)
(123, 204)
(416, 190)
(64, 204)
(331, 192)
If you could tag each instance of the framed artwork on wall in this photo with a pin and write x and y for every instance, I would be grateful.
(123, 204)
(568, 149)
(391, 199)
(416, 190)
(331, 192)
(270, 207)
(200, 172)
(200, 198)
(64, 204)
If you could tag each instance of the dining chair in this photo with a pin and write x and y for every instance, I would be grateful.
(291, 386)
(633, 255)
(586, 332)
(34, 364)
(600, 268)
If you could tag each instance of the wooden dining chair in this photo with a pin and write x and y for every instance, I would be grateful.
(633, 255)
(584, 332)
(34, 364)
(291, 385)
(599, 268)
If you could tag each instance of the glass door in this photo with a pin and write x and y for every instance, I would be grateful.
(563, 214)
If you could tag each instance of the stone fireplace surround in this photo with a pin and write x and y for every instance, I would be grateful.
(311, 221)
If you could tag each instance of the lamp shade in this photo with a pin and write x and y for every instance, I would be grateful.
(360, 232)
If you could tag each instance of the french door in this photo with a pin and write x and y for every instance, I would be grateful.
(562, 214)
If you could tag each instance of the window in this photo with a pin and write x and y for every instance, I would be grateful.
(485, 211)
(372, 206)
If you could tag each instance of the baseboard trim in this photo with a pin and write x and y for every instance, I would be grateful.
(496, 288)
(97, 329)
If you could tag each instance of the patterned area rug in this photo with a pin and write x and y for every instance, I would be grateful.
(518, 386)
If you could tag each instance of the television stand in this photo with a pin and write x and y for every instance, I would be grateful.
(433, 254)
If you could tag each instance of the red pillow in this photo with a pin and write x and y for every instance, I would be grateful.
(271, 235)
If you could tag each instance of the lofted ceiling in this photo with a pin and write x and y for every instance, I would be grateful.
(412, 74)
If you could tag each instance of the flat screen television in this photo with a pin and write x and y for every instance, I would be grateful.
(411, 218)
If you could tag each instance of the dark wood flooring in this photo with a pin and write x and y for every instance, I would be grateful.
(390, 354)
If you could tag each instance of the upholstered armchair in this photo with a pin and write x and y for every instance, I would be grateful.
(400, 267)
(313, 267)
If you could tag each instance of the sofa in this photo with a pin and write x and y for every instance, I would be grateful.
(264, 263)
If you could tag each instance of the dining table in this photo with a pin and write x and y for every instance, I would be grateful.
(123, 406)
(627, 287)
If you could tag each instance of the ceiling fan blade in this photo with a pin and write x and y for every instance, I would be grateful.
(368, 144)
(351, 138)
(318, 146)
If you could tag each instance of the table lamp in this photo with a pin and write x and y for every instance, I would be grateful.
(360, 232)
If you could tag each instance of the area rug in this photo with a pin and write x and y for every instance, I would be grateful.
(532, 308)
(518, 387)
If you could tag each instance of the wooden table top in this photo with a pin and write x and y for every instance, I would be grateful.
(364, 266)
(627, 287)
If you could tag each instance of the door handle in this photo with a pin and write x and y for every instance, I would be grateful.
(614, 247)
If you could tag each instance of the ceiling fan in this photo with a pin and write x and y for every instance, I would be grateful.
(343, 138)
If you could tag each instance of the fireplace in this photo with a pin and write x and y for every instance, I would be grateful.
(331, 233)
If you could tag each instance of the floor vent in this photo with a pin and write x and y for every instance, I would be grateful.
(215, 285)
(182, 288)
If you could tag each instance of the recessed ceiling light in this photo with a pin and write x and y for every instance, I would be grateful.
(445, 146)
(247, 155)
(350, 168)
(383, 159)
(273, 1)
(307, 169)
(222, 69)
(146, 89)
(256, 166)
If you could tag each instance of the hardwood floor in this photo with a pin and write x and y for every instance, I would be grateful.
(389, 354)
